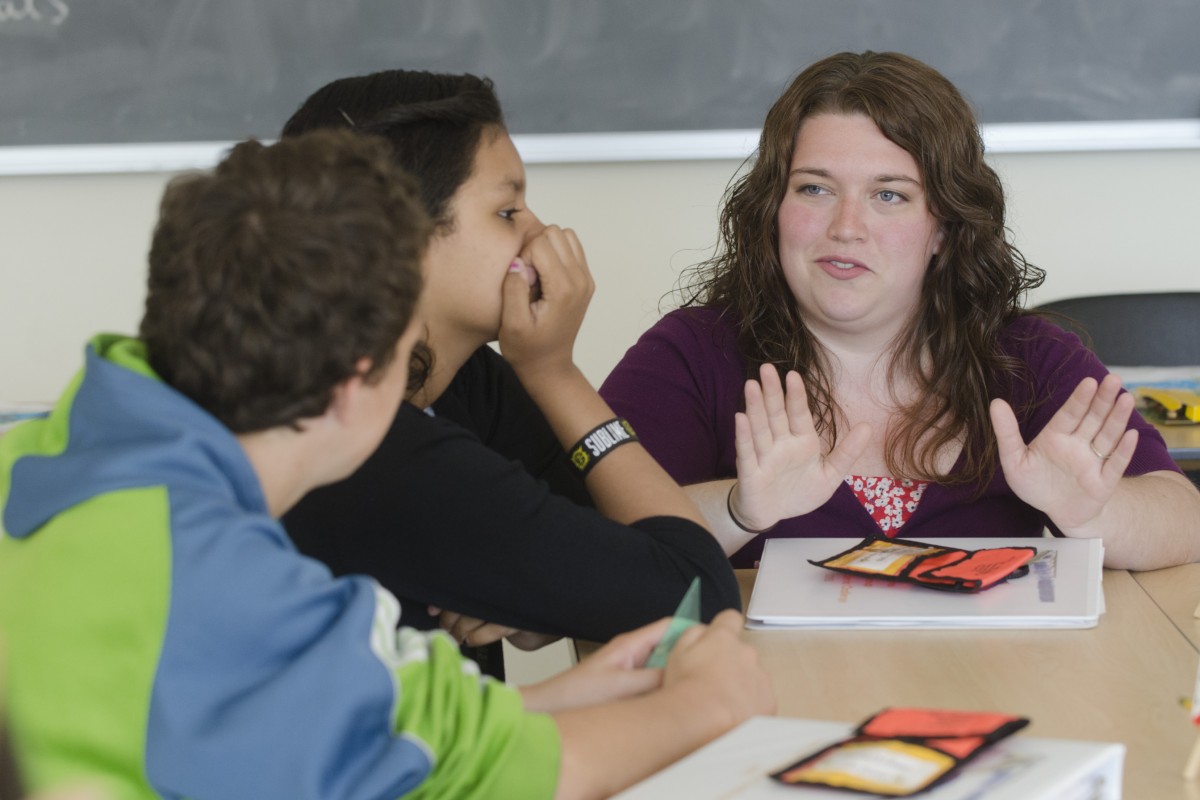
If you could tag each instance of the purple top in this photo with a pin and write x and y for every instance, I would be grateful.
(681, 384)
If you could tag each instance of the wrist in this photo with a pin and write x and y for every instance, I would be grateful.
(702, 704)
(542, 697)
(736, 517)
(547, 378)
(599, 442)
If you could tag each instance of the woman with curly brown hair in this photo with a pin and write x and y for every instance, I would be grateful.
(864, 253)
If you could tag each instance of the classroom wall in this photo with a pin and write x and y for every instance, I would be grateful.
(74, 247)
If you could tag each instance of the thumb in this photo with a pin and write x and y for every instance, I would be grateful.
(1008, 433)
(729, 620)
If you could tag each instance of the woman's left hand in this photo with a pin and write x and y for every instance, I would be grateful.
(1071, 469)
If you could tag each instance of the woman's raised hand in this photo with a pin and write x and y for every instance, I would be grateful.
(546, 294)
(782, 471)
(1070, 469)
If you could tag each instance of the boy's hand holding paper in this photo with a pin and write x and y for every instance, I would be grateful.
(686, 615)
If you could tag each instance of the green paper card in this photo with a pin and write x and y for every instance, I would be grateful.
(687, 615)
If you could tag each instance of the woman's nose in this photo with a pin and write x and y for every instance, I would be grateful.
(847, 223)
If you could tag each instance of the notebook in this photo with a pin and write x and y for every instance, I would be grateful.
(1061, 590)
(737, 766)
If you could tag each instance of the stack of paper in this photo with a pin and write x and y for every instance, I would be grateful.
(1061, 590)
(738, 767)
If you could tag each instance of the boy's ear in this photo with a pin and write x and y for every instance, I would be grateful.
(344, 403)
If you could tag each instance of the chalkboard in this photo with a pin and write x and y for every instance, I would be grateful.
(141, 71)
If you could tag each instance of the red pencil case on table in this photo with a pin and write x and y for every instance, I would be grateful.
(936, 567)
(901, 751)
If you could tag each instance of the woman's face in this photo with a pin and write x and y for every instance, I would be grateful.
(491, 225)
(855, 231)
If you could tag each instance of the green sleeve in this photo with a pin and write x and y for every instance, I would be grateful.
(482, 741)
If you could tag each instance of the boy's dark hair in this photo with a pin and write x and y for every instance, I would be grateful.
(434, 122)
(271, 277)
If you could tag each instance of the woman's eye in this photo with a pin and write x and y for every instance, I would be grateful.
(809, 189)
(509, 213)
(888, 196)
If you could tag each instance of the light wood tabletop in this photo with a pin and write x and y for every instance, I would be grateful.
(1176, 591)
(1118, 682)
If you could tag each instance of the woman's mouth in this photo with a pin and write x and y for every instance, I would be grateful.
(840, 269)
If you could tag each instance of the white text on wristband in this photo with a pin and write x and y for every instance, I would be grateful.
(599, 442)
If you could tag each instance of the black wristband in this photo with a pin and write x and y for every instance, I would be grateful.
(599, 442)
(736, 521)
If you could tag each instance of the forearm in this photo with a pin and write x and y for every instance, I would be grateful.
(655, 730)
(627, 484)
(1152, 521)
(712, 498)
(711, 683)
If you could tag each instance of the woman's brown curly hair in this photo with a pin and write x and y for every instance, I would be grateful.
(973, 287)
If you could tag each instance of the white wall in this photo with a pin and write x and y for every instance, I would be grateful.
(74, 247)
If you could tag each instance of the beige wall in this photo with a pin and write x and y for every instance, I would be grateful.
(74, 247)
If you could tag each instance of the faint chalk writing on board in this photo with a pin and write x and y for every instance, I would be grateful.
(51, 11)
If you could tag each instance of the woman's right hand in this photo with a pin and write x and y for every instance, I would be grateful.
(546, 294)
(781, 469)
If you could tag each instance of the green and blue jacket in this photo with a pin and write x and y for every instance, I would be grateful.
(164, 637)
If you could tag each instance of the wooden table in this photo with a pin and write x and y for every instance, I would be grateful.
(1118, 682)
(1176, 592)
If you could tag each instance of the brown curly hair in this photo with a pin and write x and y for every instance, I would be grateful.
(272, 276)
(973, 287)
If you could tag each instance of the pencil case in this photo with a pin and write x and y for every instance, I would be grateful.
(902, 751)
(948, 568)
